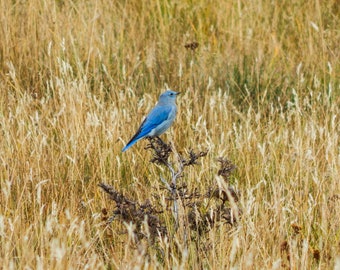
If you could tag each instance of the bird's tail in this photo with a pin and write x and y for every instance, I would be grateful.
(130, 143)
(126, 147)
(138, 136)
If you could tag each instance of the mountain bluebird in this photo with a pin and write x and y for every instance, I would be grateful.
(158, 120)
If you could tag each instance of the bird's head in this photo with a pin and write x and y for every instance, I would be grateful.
(168, 96)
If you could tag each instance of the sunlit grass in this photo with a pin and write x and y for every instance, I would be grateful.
(262, 89)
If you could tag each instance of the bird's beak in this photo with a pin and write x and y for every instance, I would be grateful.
(177, 93)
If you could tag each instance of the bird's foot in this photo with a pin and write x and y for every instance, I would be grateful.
(161, 149)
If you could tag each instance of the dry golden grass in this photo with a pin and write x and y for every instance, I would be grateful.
(261, 89)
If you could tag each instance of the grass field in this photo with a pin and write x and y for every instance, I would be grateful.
(261, 89)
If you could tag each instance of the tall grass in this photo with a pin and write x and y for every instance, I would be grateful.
(262, 89)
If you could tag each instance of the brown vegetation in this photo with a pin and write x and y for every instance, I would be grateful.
(260, 88)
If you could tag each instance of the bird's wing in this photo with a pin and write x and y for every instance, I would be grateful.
(156, 117)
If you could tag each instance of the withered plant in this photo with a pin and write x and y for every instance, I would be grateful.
(199, 213)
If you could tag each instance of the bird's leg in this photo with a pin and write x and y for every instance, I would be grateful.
(159, 140)
(154, 142)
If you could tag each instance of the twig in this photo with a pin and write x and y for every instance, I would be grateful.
(161, 154)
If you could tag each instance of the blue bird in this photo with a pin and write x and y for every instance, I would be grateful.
(158, 120)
